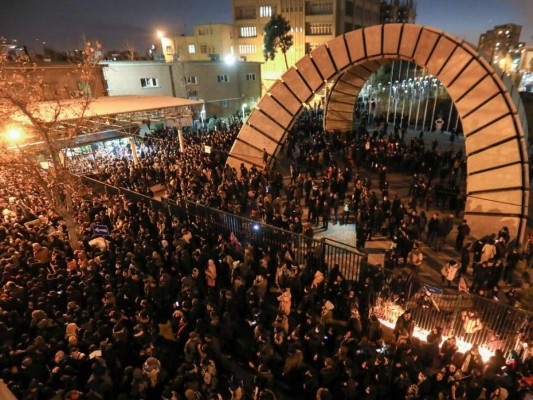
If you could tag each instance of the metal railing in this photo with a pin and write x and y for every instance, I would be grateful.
(324, 254)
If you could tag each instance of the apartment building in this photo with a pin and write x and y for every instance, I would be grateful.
(210, 42)
(498, 42)
(313, 23)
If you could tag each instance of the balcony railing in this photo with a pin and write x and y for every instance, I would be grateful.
(318, 8)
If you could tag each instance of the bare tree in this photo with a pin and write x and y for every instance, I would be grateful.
(46, 130)
(130, 52)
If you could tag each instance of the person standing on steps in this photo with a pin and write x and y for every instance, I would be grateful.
(463, 230)
(326, 211)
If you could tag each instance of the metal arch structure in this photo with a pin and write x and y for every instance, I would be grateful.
(490, 109)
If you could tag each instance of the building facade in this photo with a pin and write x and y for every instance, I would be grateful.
(210, 42)
(398, 11)
(61, 81)
(224, 87)
(145, 78)
(313, 23)
(496, 44)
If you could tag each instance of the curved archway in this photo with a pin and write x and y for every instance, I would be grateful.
(490, 109)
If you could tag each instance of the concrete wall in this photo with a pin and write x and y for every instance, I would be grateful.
(223, 98)
(60, 81)
(124, 78)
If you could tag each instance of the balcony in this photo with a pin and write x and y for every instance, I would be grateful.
(245, 13)
(318, 8)
(314, 29)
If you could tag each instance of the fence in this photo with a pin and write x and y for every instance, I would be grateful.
(498, 326)
(324, 254)
(502, 327)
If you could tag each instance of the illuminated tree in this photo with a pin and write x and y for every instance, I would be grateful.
(276, 38)
(34, 133)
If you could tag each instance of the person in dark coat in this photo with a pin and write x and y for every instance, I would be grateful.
(465, 259)
(404, 324)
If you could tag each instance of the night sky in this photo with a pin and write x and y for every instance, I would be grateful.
(116, 23)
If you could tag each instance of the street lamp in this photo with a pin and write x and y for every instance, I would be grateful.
(244, 105)
(167, 47)
(229, 59)
(14, 134)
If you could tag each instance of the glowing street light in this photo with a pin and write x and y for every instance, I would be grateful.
(229, 59)
(167, 46)
(14, 134)
(244, 105)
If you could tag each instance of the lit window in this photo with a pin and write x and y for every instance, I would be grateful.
(507, 32)
(222, 78)
(149, 82)
(247, 49)
(248, 31)
(193, 80)
(192, 49)
(250, 77)
(265, 11)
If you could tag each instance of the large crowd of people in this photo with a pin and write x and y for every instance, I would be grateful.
(331, 178)
(168, 308)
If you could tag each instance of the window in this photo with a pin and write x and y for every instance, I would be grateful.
(149, 82)
(318, 29)
(222, 78)
(265, 11)
(247, 49)
(202, 32)
(84, 89)
(192, 49)
(169, 50)
(224, 104)
(250, 77)
(248, 31)
(193, 80)
(245, 13)
(203, 48)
